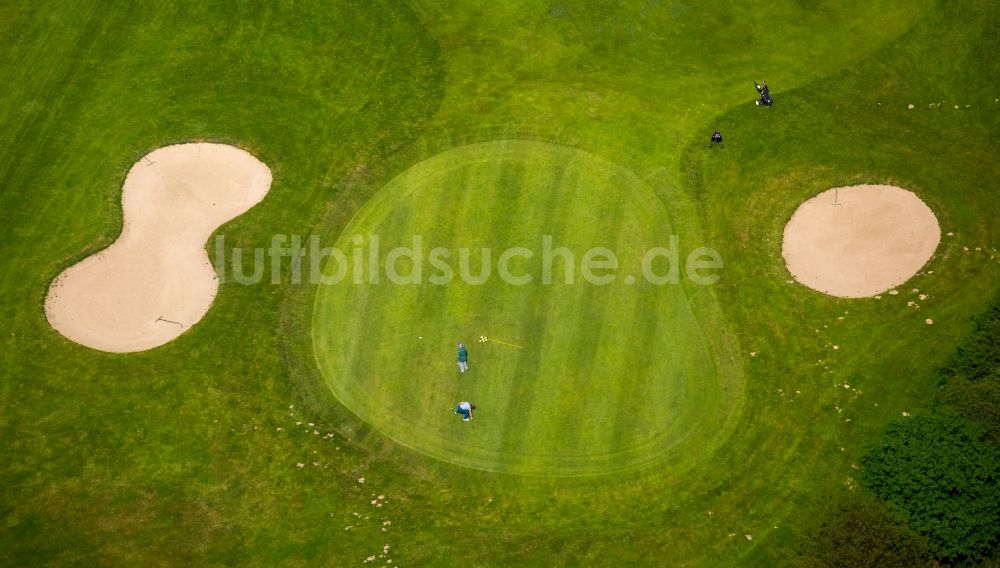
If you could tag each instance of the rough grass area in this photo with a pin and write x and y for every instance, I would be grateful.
(226, 446)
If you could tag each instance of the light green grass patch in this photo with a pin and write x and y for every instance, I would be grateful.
(612, 376)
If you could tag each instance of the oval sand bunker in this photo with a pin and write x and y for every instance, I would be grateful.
(857, 241)
(156, 280)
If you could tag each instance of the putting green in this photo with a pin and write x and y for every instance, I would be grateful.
(611, 377)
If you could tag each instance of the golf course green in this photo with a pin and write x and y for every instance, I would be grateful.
(606, 377)
(633, 413)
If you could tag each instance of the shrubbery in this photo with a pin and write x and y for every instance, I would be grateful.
(861, 531)
(978, 401)
(978, 355)
(938, 470)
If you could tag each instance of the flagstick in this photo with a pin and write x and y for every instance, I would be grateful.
(484, 339)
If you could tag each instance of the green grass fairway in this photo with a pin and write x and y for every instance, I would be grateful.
(612, 376)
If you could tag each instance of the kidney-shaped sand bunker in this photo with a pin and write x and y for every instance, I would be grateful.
(857, 241)
(156, 280)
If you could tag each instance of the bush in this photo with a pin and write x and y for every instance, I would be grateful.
(978, 401)
(978, 355)
(861, 531)
(938, 470)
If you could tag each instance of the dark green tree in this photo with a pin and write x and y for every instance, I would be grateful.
(978, 401)
(978, 355)
(938, 471)
(861, 531)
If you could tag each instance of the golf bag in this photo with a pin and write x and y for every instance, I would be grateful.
(765, 97)
(765, 94)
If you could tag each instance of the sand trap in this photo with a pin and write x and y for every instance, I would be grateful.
(875, 238)
(156, 280)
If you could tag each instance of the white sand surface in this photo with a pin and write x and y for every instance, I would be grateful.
(861, 240)
(156, 280)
